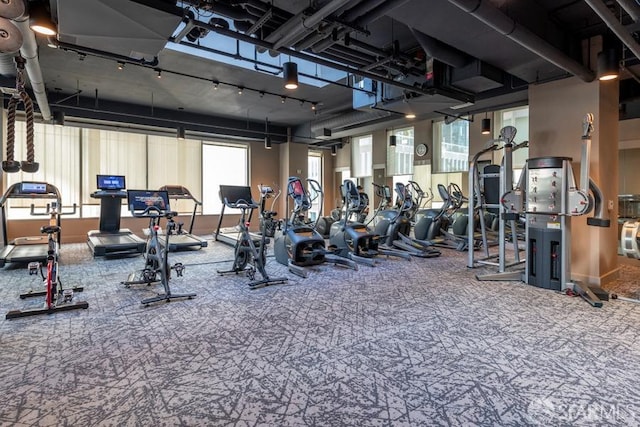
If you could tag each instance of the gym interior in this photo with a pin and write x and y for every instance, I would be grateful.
(326, 212)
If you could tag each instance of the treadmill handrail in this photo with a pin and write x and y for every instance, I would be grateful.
(177, 192)
(48, 210)
(13, 192)
(153, 212)
(241, 204)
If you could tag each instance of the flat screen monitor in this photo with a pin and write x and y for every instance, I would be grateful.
(231, 194)
(33, 188)
(139, 200)
(111, 182)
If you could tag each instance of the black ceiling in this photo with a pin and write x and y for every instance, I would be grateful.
(425, 57)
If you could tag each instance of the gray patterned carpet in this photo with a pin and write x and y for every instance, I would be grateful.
(418, 343)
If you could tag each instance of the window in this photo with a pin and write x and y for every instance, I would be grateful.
(57, 149)
(112, 153)
(71, 157)
(222, 164)
(175, 162)
(400, 157)
(451, 146)
(518, 118)
(362, 156)
(315, 172)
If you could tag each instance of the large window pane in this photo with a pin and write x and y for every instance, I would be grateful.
(362, 156)
(221, 165)
(451, 146)
(400, 157)
(315, 172)
(519, 118)
(175, 162)
(112, 153)
(57, 150)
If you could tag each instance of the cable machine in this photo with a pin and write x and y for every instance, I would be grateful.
(548, 196)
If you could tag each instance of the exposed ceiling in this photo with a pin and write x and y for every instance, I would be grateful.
(402, 56)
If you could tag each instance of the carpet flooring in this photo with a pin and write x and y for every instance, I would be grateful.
(405, 343)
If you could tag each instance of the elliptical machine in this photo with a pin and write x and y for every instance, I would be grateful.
(299, 245)
(323, 223)
(353, 239)
(394, 225)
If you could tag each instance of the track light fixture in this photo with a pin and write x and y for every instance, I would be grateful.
(486, 125)
(159, 71)
(393, 140)
(290, 75)
(608, 65)
(120, 65)
(314, 106)
(334, 150)
(283, 99)
(40, 19)
(215, 84)
(240, 90)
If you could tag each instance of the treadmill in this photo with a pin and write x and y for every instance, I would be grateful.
(26, 249)
(183, 239)
(229, 196)
(110, 239)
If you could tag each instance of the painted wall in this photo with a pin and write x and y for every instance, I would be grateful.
(556, 113)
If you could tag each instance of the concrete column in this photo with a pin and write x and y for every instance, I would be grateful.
(556, 112)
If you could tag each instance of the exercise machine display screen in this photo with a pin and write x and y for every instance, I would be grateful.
(297, 189)
(111, 182)
(139, 200)
(33, 188)
(231, 194)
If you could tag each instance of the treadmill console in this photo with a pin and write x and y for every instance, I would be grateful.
(32, 188)
(231, 194)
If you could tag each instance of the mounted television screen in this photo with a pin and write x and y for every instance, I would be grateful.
(111, 182)
(139, 200)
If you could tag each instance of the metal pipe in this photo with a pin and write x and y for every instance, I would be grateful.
(612, 22)
(358, 10)
(496, 19)
(303, 24)
(632, 8)
(29, 52)
(321, 61)
(364, 20)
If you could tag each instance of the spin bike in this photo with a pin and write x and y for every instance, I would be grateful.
(56, 298)
(249, 257)
(155, 205)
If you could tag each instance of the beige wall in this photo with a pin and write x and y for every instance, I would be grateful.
(556, 112)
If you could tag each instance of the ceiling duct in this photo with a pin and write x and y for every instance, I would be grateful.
(441, 51)
(345, 120)
(612, 22)
(123, 27)
(496, 19)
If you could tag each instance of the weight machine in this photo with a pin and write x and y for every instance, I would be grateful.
(487, 186)
(548, 197)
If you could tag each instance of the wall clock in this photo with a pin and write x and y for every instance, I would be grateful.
(421, 150)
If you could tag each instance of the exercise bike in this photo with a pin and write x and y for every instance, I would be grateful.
(250, 257)
(56, 298)
(155, 206)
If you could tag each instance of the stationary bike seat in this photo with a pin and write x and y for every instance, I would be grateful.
(49, 229)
